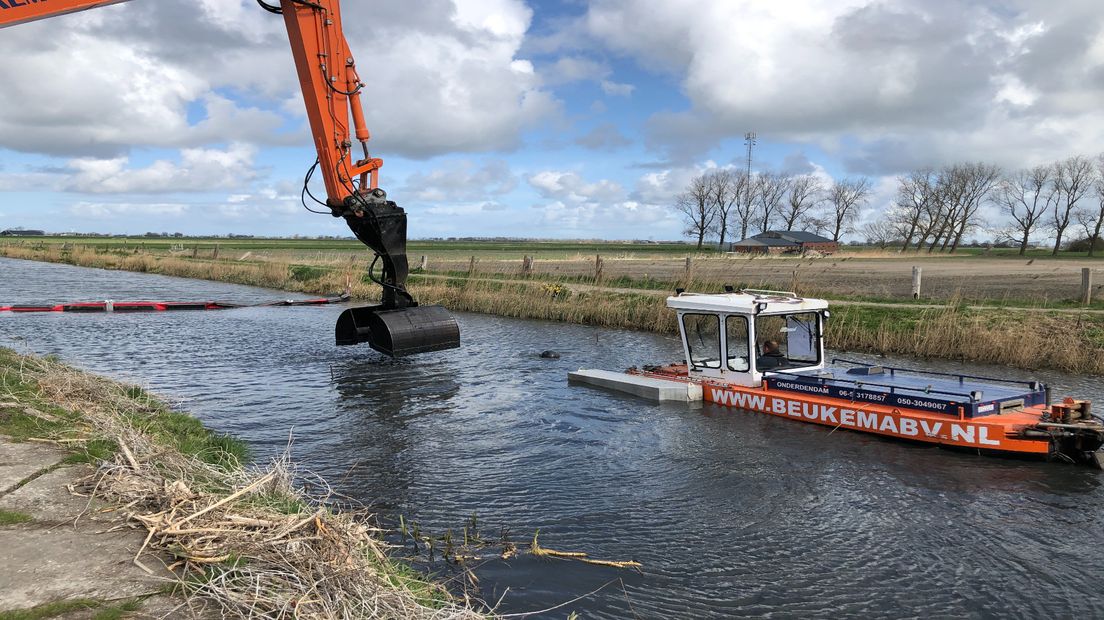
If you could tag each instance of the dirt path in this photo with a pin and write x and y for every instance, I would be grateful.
(63, 556)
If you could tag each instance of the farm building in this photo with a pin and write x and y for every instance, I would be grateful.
(785, 242)
(19, 232)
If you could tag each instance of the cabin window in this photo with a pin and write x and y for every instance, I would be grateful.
(703, 338)
(787, 341)
(736, 337)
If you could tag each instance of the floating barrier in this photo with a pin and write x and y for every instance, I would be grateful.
(165, 306)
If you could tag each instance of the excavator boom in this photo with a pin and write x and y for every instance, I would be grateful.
(14, 12)
(332, 90)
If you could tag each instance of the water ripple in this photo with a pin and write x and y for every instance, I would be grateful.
(732, 514)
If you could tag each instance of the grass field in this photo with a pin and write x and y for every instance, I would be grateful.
(971, 305)
(997, 278)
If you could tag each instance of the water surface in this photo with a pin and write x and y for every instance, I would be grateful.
(731, 513)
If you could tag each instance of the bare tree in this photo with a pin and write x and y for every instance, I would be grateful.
(771, 189)
(914, 196)
(744, 204)
(805, 193)
(726, 190)
(976, 181)
(1093, 219)
(1073, 178)
(697, 208)
(880, 232)
(847, 199)
(1027, 196)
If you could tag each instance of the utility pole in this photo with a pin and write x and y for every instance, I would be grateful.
(749, 140)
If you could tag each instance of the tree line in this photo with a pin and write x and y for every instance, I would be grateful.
(934, 209)
(726, 203)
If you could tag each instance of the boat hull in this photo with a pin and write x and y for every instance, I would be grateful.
(1003, 432)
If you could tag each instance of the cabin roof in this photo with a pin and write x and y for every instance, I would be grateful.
(745, 303)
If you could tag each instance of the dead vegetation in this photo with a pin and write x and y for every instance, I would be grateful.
(244, 542)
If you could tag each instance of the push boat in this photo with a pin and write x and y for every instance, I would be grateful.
(763, 351)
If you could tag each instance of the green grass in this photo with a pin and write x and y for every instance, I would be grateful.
(116, 612)
(305, 273)
(179, 430)
(8, 517)
(51, 610)
(455, 249)
(104, 610)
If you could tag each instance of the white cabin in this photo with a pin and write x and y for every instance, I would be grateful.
(737, 337)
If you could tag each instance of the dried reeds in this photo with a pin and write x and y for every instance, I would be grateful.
(249, 541)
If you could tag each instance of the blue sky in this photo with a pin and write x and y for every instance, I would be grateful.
(570, 119)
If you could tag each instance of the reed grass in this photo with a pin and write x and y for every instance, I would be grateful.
(1066, 342)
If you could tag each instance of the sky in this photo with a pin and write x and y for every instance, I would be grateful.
(575, 119)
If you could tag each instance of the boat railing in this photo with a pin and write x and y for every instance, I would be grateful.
(1033, 385)
(970, 397)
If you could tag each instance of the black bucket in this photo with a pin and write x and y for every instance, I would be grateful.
(397, 333)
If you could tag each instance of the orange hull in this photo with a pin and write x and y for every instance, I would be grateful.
(1000, 432)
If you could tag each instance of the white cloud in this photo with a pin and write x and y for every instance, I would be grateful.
(598, 209)
(569, 69)
(934, 78)
(150, 211)
(199, 170)
(617, 89)
(446, 77)
(462, 180)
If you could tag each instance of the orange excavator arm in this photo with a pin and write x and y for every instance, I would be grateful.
(331, 91)
(14, 12)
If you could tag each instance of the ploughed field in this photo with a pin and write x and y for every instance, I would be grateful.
(730, 513)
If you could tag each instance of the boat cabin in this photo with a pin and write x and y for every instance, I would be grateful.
(739, 336)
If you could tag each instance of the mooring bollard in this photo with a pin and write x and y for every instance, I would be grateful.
(1086, 286)
(916, 272)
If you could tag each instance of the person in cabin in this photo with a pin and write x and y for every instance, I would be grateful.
(771, 358)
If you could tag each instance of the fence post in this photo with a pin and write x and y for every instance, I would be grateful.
(424, 264)
(214, 255)
(597, 267)
(527, 266)
(1086, 286)
(916, 273)
(195, 250)
(471, 265)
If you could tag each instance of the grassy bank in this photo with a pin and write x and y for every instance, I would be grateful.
(247, 540)
(1062, 341)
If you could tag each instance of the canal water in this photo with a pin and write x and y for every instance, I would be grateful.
(731, 513)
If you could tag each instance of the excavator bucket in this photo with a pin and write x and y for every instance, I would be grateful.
(398, 326)
(399, 332)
